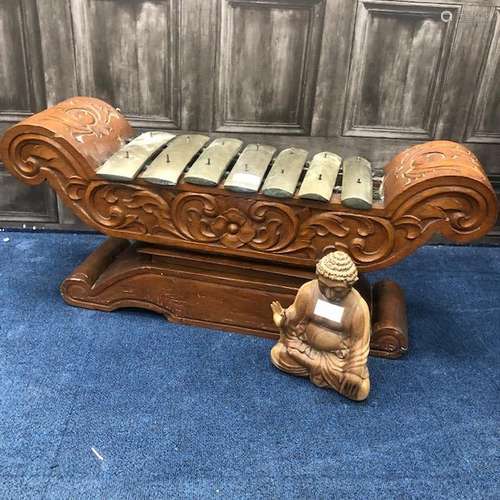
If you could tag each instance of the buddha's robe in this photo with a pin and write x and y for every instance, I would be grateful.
(325, 346)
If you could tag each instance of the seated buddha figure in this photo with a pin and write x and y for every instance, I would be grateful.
(325, 333)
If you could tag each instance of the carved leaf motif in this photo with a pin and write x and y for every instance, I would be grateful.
(275, 225)
(193, 214)
(325, 224)
(460, 211)
(355, 234)
(75, 188)
(128, 207)
(411, 224)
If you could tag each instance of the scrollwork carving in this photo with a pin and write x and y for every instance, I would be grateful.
(433, 187)
(460, 212)
(234, 223)
(434, 158)
(33, 159)
(83, 119)
(367, 239)
(130, 208)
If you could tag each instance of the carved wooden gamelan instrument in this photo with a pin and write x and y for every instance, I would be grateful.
(209, 232)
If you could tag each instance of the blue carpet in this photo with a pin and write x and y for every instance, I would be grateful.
(184, 412)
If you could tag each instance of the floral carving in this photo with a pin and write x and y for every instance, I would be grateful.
(234, 222)
(233, 228)
(129, 208)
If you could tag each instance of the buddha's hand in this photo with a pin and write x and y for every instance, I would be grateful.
(350, 385)
(278, 314)
(302, 353)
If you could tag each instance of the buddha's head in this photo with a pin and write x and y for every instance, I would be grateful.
(336, 274)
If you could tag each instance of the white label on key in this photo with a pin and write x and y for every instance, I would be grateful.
(250, 181)
(329, 311)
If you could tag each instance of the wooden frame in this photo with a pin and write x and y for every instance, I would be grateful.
(433, 188)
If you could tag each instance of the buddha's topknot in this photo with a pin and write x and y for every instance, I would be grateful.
(337, 266)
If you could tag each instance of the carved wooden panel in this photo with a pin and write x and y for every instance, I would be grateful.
(21, 85)
(484, 120)
(127, 54)
(398, 65)
(430, 188)
(268, 64)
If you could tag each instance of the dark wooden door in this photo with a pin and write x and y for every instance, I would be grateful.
(367, 77)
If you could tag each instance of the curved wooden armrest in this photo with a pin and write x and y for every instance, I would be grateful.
(70, 139)
(438, 186)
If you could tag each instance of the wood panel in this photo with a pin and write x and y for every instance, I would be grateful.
(333, 68)
(197, 59)
(127, 53)
(460, 86)
(21, 203)
(268, 65)
(56, 40)
(21, 81)
(398, 66)
(22, 92)
(484, 120)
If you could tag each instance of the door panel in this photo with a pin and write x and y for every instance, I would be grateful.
(21, 203)
(484, 120)
(267, 65)
(398, 65)
(126, 54)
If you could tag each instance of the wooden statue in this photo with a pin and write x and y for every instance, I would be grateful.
(325, 333)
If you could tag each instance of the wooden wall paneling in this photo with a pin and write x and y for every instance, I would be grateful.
(333, 68)
(22, 92)
(267, 65)
(127, 54)
(57, 44)
(478, 3)
(395, 88)
(21, 203)
(464, 67)
(484, 119)
(198, 42)
(489, 155)
(21, 75)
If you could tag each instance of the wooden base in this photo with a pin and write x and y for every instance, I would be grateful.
(216, 292)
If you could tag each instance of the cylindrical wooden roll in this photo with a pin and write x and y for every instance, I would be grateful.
(389, 324)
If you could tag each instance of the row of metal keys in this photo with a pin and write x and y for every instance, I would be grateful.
(175, 154)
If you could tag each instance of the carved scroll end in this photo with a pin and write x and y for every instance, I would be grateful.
(79, 285)
(70, 139)
(443, 163)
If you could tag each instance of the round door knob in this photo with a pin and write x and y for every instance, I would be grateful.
(446, 16)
